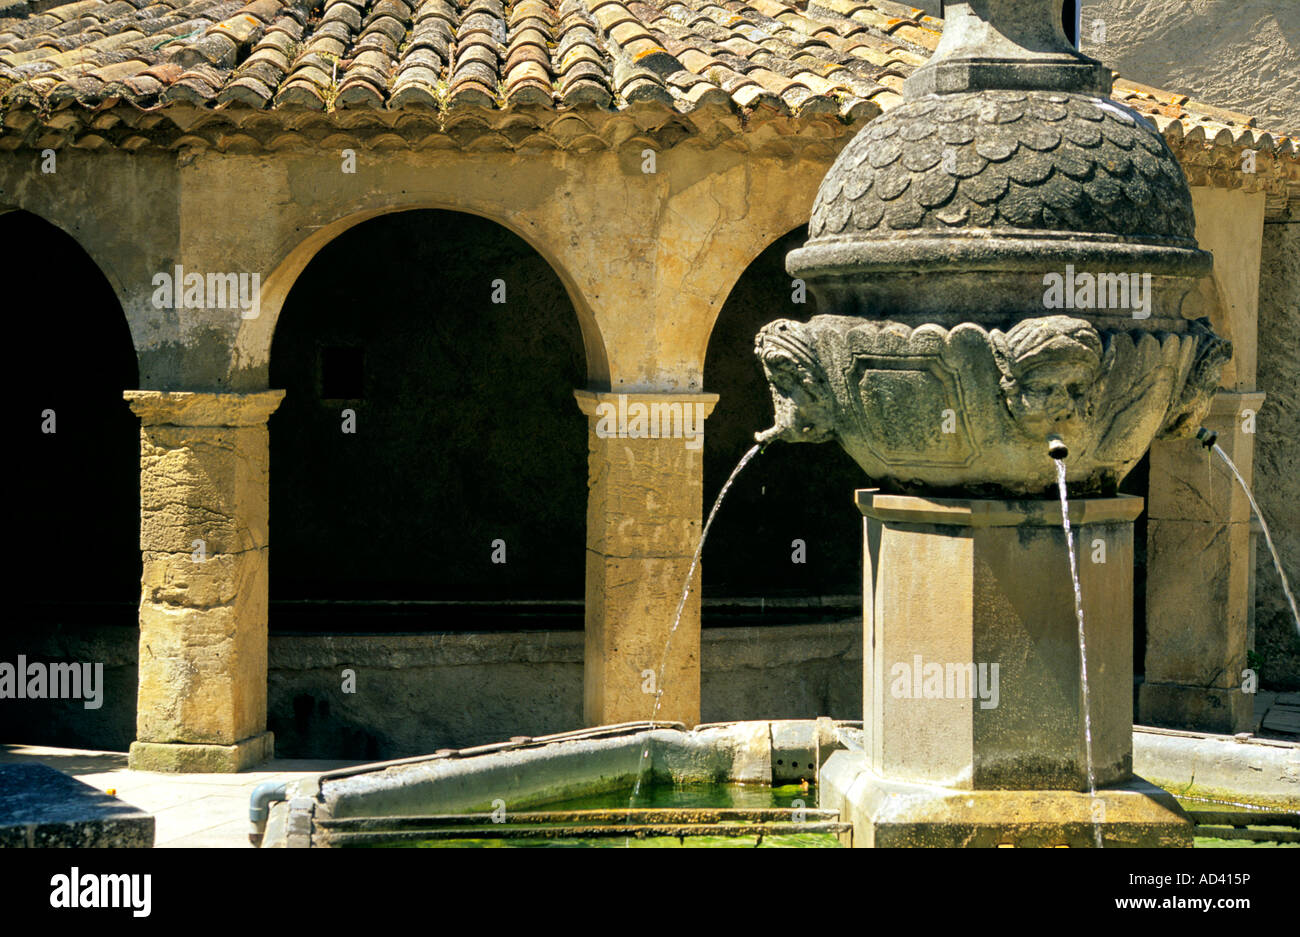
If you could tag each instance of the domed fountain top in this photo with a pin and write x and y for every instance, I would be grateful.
(1003, 259)
(1007, 160)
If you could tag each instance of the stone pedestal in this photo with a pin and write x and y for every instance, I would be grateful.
(643, 524)
(1199, 568)
(203, 605)
(973, 730)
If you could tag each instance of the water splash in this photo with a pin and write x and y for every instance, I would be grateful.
(1268, 538)
(1083, 650)
(681, 605)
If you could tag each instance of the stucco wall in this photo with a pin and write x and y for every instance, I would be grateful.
(1277, 451)
(1243, 55)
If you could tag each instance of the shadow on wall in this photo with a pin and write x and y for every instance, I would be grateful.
(77, 513)
(1277, 453)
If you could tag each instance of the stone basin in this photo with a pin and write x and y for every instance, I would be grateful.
(969, 409)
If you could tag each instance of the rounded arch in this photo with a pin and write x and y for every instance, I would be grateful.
(255, 336)
(96, 254)
(423, 423)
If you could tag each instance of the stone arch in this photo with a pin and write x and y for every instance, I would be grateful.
(98, 254)
(252, 345)
(466, 431)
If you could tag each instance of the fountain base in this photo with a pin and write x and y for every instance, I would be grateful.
(886, 813)
(974, 729)
(971, 669)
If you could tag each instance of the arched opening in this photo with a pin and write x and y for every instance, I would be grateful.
(429, 462)
(785, 547)
(76, 572)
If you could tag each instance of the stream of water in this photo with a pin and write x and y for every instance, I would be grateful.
(681, 605)
(1096, 805)
(1277, 560)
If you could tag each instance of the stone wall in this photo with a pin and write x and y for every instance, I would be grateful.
(1277, 451)
(418, 693)
(1243, 55)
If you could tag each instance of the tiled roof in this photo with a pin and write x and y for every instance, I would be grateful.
(489, 74)
(831, 58)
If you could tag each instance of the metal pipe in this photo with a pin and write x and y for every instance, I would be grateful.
(259, 807)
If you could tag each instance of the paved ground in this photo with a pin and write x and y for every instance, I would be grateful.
(1277, 715)
(206, 810)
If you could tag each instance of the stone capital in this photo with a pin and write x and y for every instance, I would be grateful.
(589, 400)
(195, 408)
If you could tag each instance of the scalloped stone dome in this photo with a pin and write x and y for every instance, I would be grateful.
(1036, 161)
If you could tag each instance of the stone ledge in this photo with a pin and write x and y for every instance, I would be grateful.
(888, 813)
(41, 807)
(1221, 767)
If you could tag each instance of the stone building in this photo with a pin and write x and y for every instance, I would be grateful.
(369, 275)
(1244, 56)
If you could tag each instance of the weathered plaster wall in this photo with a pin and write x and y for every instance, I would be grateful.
(122, 209)
(1243, 55)
(1228, 225)
(1277, 452)
(647, 258)
(418, 693)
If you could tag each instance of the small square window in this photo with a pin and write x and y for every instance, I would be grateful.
(342, 373)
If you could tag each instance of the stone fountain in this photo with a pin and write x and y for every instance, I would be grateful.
(1008, 268)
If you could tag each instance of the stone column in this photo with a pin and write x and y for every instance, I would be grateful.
(203, 534)
(1199, 576)
(643, 524)
(955, 753)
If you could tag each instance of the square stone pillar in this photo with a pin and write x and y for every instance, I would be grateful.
(1199, 576)
(643, 525)
(203, 607)
(954, 753)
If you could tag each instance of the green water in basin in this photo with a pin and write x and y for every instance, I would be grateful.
(664, 795)
(1213, 842)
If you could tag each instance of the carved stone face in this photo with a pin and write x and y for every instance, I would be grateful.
(1053, 393)
(805, 409)
(1050, 366)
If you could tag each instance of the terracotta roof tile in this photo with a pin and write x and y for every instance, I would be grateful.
(488, 73)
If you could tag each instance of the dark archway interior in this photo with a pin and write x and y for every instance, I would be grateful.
(789, 493)
(75, 574)
(79, 513)
(467, 435)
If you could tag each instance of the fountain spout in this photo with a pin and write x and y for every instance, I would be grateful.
(1208, 437)
(1056, 448)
